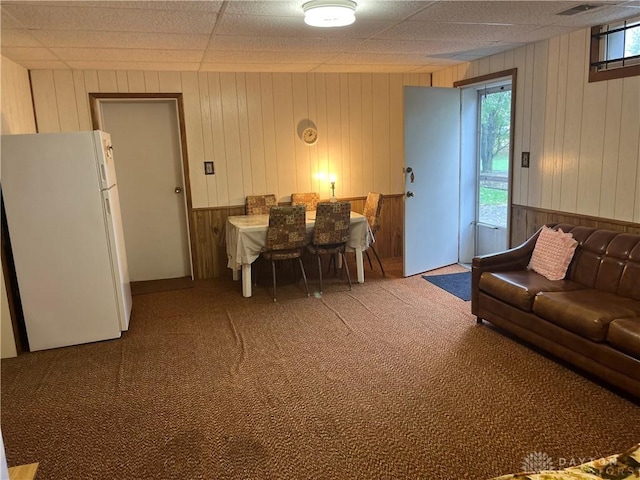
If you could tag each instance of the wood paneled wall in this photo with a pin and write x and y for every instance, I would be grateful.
(248, 124)
(584, 138)
(17, 108)
(210, 254)
(527, 220)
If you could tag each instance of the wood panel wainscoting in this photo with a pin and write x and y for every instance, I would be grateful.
(525, 221)
(209, 249)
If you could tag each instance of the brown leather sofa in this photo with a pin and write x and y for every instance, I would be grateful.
(591, 319)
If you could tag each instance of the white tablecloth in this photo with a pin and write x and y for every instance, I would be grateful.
(246, 235)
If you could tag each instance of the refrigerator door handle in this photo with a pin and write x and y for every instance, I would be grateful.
(107, 206)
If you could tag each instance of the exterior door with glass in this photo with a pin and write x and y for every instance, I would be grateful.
(493, 167)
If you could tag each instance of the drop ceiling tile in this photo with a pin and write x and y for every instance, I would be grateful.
(7, 21)
(598, 16)
(256, 67)
(467, 58)
(378, 59)
(18, 38)
(111, 19)
(42, 65)
(365, 68)
(183, 5)
(28, 53)
(271, 8)
(394, 10)
(411, 30)
(283, 44)
(432, 68)
(271, 26)
(510, 12)
(171, 34)
(152, 66)
(127, 55)
(484, 52)
(208, 5)
(498, 48)
(540, 33)
(169, 41)
(422, 47)
(266, 57)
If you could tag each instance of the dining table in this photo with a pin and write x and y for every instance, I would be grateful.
(246, 237)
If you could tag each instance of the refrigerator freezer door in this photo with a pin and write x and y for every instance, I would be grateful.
(118, 255)
(59, 239)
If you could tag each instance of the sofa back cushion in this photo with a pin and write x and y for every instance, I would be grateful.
(605, 260)
(630, 279)
(589, 255)
(614, 262)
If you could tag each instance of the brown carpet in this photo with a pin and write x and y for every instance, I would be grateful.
(162, 285)
(393, 380)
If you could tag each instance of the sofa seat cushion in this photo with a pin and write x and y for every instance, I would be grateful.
(519, 288)
(624, 334)
(586, 312)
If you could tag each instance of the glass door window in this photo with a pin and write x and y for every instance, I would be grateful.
(493, 155)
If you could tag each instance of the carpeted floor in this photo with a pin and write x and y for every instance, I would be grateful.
(162, 285)
(392, 380)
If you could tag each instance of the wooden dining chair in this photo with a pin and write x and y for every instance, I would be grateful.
(259, 204)
(331, 233)
(285, 239)
(309, 200)
(372, 211)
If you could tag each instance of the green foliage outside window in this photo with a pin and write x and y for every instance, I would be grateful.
(494, 129)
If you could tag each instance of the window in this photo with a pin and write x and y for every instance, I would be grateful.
(615, 50)
(494, 141)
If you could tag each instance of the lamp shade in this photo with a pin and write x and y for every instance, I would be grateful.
(329, 13)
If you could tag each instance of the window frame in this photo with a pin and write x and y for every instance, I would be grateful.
(596, 75)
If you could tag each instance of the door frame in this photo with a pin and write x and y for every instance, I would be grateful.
(504, 74)
(95, 101)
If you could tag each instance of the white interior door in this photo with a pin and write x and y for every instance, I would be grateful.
(432, 187)
(146, 148)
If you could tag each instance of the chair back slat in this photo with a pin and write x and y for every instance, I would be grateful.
(287, 227)
(309, 200)
(372, 210)
(259, 204)
(332, 223)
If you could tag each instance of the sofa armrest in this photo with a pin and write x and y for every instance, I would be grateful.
(514, 259)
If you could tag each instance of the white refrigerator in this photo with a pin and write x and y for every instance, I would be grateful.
(63, 215)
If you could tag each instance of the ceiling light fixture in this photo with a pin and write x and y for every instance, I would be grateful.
(329, 13)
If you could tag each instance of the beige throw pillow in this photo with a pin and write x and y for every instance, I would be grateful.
(553, 253)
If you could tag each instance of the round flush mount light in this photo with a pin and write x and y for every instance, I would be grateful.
(329, 13)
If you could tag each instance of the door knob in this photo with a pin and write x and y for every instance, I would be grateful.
(178, 190)
(409, 194)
